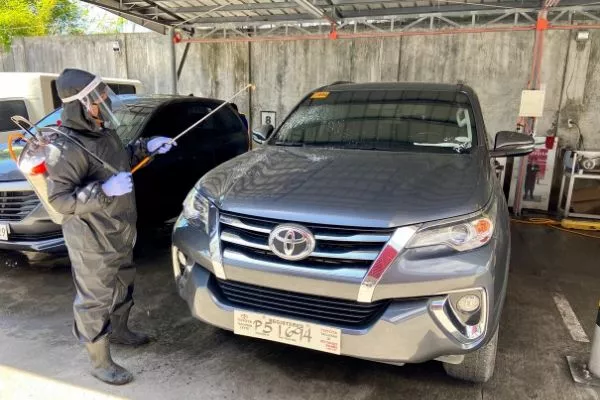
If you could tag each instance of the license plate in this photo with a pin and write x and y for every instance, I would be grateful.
(4, 231)
(289, 331)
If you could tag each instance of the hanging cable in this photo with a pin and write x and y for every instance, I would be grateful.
(580, 143)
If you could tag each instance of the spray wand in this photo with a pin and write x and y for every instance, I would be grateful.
(150, 157)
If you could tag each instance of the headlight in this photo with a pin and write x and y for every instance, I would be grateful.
(196, 210)
(461, 235)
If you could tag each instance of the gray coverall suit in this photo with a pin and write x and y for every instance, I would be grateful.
(99, 230)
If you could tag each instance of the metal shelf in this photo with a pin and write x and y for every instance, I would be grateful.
(580, 175)
(571, 174)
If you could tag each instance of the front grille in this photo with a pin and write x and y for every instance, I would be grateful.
(34, 237)
(14, 206)
(324, 310)
(335, 246)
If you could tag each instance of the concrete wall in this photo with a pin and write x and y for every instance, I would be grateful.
(497, 65)
(93, 53)
(581, 92)
(285, 71)
(216, 70)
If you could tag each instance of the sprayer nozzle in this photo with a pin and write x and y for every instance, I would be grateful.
(252, 86)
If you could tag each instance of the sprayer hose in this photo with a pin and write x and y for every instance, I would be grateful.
(11, 139)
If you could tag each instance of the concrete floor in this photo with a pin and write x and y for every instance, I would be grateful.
(191, 360)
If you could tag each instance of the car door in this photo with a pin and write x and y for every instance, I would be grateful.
(162, 186)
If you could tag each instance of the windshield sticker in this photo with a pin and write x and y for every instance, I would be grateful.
(319, 95)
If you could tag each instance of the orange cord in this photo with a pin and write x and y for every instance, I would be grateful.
(552, 224)
(11, 139)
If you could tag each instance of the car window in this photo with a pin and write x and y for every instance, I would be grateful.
(168, 121)
(8, 108)
(120, 88)
(174, 118)
(131, 119)
(56, 101)
(50, 119)
(382, 120)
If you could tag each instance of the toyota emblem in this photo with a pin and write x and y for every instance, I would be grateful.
(291, 242)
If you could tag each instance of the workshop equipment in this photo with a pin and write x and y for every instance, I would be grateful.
(585, 202)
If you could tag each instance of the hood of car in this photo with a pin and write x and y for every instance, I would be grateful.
(354, 188)
(9, 172)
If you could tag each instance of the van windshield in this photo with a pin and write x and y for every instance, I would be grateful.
(389, 120)
(9, 108)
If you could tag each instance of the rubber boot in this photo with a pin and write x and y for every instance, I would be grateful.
(122, 335)
(103, 367)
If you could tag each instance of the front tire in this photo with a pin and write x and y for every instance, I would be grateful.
(477, 366)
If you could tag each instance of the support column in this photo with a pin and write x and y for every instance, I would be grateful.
(173, 61)
(534, 83)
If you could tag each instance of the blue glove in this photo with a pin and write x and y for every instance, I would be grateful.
(160, 144)
(118, 185)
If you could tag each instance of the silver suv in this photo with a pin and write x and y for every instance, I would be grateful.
(369, 224)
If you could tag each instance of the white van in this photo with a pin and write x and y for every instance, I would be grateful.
(33, 95)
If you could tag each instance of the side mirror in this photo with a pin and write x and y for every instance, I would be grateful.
(260, 135)
(512, 144)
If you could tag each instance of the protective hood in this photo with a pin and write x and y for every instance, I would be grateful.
(74, 116)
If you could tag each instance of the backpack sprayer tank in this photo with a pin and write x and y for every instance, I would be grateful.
(32, 162)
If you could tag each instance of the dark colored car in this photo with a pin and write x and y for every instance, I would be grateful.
(25, 226)
(370, 224)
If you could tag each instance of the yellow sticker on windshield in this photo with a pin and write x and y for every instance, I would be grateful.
(319, 95)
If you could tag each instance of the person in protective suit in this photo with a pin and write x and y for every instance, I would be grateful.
(100, 227)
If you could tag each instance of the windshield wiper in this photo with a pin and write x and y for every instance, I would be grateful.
(290, 144)
(458, 147)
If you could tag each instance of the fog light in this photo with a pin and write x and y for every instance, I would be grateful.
(182, 258)
(181, 264)
(468, 303)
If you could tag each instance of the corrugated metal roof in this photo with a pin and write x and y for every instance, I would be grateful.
(159, 14)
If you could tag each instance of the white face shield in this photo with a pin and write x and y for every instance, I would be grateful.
(100, 102)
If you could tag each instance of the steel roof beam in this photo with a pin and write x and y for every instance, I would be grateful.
(340, 3)
(261, 18)
(157, 25)
(323, 4)
(276, 6)
(165, 10)
(239, 7)
(316, 11)
(283, 20)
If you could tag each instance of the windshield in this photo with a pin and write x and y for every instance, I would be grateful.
(50, 119)
(390, 120)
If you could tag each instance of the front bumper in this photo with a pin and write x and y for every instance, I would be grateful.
(416, 326)
(36, 232)
(53, 246)
(407, 332)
